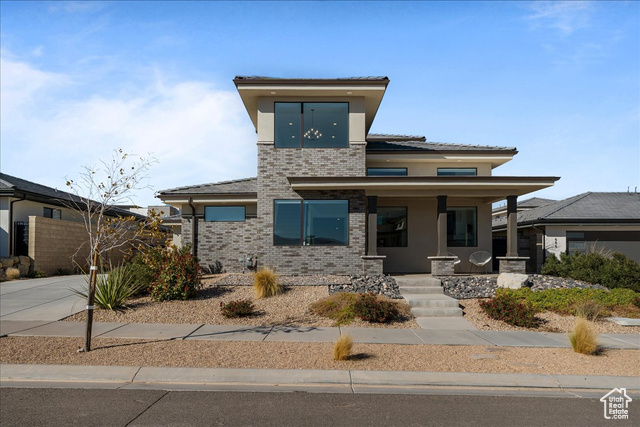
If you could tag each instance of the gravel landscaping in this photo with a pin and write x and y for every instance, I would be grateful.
(283, 355)
(289, 308)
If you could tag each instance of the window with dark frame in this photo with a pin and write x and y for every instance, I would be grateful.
(311, 124)
(392, 226)
(457, 171)
(311, 223)
(462, 228)
(52, 213)
(386, 171)
(224, 213)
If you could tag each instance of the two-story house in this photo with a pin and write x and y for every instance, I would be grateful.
(330, 198)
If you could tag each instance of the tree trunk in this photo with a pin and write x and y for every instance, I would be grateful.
(93, 275)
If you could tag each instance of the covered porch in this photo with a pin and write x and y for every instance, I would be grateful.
(424, 224)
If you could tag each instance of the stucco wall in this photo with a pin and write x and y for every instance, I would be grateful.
(422, 235)
(429, 168)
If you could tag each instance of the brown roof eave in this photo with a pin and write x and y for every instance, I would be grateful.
(316, 82)
(402, 151)
(206, 194)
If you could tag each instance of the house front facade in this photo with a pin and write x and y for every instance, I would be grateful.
(331, 198)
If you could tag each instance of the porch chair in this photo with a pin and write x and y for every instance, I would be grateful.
(480, 259)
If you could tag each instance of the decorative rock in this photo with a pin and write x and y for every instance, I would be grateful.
(512, 280)
(3, 276)
(383, 285)
(25, 260)
(23, 269)
(7, 262)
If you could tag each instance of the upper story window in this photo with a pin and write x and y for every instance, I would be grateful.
(311, 124)
(52, 213)
(224, 213)
(457, 171)
(387, 171)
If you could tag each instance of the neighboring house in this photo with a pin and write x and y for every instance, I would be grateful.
(174, 222)
(36, 221)
(330, 198)
(588, 221)
(500, 212)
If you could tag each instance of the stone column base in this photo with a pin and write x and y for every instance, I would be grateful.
(442, 265)
(372, 264)
(513, 264)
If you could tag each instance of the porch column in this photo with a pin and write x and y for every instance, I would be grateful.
(372, 225)
(442, 226)
(512, 226)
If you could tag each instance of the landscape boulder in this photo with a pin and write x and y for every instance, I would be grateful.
(7, 262)
(512, 280)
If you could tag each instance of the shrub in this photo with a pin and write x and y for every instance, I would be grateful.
(615, 271)
(178, 276)
(370, 308)
(510, 309)
(237, 308)
(342, 348)
(265, 283)
(113, 288)
(37, 274)
(12, 273)
(215, 268)
(563, 300)
(583, 339)
(337, 307)
(63, 272)
(588, 309)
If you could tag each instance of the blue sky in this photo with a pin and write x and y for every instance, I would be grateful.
(558, 80)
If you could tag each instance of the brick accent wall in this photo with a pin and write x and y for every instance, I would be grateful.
(223, 241)
(274, 165)
(513, 265)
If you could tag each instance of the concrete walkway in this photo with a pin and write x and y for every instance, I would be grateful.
(321, 381)
(306, 334)
(45, 299)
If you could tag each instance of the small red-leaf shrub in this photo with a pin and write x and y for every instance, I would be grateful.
(178, 276)
(372, 309)
(511, 310)
(237, 308)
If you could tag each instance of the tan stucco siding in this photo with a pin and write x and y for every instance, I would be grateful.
(429, 168)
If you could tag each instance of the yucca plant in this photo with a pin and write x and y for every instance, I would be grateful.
(113, 288)
(265, 283)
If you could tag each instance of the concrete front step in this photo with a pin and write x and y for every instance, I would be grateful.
(437, 312)
(430, 300)
(421, 290)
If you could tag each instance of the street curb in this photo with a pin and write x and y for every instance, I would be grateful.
(295, 380)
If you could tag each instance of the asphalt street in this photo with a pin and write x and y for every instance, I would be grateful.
(62, 407)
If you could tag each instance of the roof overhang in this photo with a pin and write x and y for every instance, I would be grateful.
(177, 200)
(496, 158)
(488, 188)
(372, 91)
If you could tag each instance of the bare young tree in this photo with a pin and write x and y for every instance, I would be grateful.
(98, 191)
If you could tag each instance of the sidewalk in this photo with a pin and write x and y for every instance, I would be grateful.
(319, 381)
(306, 334)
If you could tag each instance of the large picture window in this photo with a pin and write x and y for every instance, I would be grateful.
(311, 124)
(224, 213)
(462, 230)
(311, 222)
(392, 227)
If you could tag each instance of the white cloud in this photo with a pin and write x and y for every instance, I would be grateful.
(566, 16)
(198, 133)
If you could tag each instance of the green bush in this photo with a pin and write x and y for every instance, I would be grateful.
(564, 300)
(237, 308)
(511, 309)
(145, 266)
(616, 271)
(113, 288)
(338, 307)
(177, 277)
(370, 308)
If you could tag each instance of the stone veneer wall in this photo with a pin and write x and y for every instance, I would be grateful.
(223, 241)
(274, 165)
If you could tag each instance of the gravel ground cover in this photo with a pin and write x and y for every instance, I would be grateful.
(551, 322)
(289, 308)
(282, 355)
